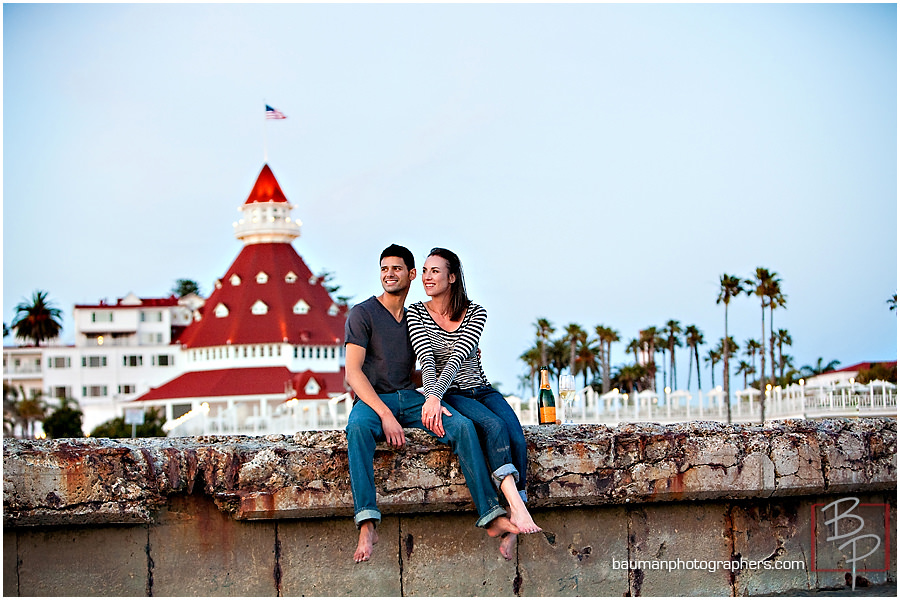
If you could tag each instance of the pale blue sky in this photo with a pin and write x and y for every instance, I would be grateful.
(590, 163)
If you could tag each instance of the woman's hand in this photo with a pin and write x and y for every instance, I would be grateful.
(432, 412)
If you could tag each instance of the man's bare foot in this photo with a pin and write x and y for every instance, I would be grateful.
(368, 537)
(521, 519)
(508, 545)
(501, 525)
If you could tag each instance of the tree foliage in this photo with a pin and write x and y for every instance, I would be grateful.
(117, 428)
(65, 421)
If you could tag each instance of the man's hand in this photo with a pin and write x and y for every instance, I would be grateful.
(431, 415)
(393, 431)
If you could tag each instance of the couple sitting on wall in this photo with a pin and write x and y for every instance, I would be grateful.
(459, 406)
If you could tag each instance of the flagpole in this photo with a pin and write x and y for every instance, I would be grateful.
(265, 138)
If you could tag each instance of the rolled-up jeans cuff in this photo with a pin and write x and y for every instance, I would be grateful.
(502, 472)
(485, 520)
(366, 515)
(523, 495)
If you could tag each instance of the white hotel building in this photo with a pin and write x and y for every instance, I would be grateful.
(268, 334)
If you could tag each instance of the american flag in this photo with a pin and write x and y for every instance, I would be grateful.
(274, 113)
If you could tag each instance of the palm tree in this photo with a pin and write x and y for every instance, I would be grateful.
(760, 286)
(777, 299)
(31, 410)
(558, 356)
(782, 339)
(631, 375)
(648, 338)
(745, 368)
(712, 357)
(729, 287)
(673, 339)
(38, 320)
(587, 361)
(892, 302)
(544, 331)
(819, 368)
(634, 345)
(607, 336)
(693, 337)
(183, 287)
(751, 348)
(575, 336)
(532, 359)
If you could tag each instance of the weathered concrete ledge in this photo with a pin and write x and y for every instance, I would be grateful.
(102, 481)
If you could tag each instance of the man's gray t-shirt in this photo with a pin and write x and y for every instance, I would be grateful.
(389, 355)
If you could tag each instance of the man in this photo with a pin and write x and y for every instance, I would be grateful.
(379, 367)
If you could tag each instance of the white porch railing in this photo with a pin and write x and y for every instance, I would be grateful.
(289, 417)
(795, 402)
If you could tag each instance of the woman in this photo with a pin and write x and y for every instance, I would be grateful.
(445, 332)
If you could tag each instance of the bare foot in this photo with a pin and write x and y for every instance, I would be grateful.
(368, 537)
(521, 519)
(501, 525)
(508, 545)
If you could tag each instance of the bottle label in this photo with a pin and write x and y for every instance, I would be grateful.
(548, 415)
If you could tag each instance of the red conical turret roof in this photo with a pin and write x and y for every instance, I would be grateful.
(266, 188)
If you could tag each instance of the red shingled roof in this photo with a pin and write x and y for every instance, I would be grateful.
(266, 188)
(244, 382)
(280, 323)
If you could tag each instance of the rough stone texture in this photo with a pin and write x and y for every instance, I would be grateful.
(10, 568)
(97, 561)
(196, 550)
(315, 559)
(574, 554)
(305, 475)
(464, 563)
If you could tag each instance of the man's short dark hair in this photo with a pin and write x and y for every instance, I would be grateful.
(399, 252)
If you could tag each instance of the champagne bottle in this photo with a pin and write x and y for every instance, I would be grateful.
(546, 401)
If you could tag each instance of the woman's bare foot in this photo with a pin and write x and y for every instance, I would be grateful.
(501, 525)
(518, 513)
(508, 546)
(368, 537)
(521, 519)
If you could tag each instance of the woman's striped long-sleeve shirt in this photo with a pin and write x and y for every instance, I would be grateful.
(447, 358)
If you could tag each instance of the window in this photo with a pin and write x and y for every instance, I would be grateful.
(104, 316)
(60, 362)
(93, 391)
(262, 277)
(312, 387)
(61, 392)
(132, 361)
(221, 310)
(164, 360)
(235, 280)
(127, 388)
(301, 308)
(180, 409)
(333, 309)
(93, 361)
(291, 277)
(259, 308)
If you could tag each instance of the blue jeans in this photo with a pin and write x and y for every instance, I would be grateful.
(498, 429)
(364, 431)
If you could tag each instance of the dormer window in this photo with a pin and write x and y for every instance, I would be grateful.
(259, 308)
(312, 280)
(262, 277)
(291, 277)
(312, 387)
(221, 310)
(301, 308)
(235, 280)
(218, 284)
(333, 310)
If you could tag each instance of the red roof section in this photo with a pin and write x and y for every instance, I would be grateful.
(244, 382)
(280, 324)
(266, 188)
(865, 366)
(170, 301)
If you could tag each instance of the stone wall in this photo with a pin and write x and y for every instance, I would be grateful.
(224, 516)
